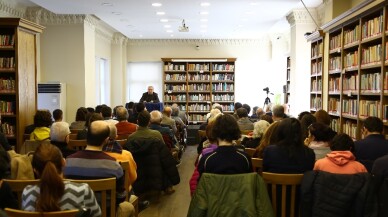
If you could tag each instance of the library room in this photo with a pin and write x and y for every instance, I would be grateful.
(167, 108)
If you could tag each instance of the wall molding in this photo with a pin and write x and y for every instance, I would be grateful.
(45, 17)
(189, 42)
(301, 16)
(7, 8)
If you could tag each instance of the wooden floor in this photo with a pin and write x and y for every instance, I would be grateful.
(176, 204)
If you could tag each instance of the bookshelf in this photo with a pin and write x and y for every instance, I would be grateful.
(316, 74)
(288, 82)
(195, 84)
(18, 63)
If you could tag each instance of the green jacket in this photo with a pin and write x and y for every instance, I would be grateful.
(239, 195)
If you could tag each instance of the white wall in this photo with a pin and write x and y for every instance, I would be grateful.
(90, 65)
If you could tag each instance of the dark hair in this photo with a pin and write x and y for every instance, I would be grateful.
(5, 165)
(300, 116)
(305, 122)
(278, 111)
(247, 107)
(209, 134)
(342, 142)
(320, 131)
(139, 107)
(237, 105)
(90, 110)
(226, 128)
(373, 124)
(95, 137)
(143, 118)
(106, 111)
(98, 109)
(129, 105)
(267, 118)
(90, 117)
(81, 114)
(254, 109)
(47, 162)
(57, 114)
(242, 113)
(289, 134)
(42, 118)
(322, 117)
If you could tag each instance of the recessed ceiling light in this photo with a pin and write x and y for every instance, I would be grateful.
(160, 13)
(203, 30)
(254, 3)
(169, 31)
(203, 20)
(203, 26)
(157, 4)
(116, 13)
(171, 35)
(167, 26)
(205, 4)
(203, 13)
(106, 4)
(164, 20)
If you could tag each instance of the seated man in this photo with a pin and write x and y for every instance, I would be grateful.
(167, 120)
(168, 137)
(243, 121)
(149, 96)
(123, 126)
(59, 136)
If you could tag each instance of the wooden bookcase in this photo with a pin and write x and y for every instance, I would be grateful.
(195, 84)
(288, 82)
(357, 77)
(316, 74)
(18, 68)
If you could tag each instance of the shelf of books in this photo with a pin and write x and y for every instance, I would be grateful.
(288, 82)
(196, 84)
(316, 74)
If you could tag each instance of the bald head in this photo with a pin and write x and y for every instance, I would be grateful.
(98, 132)
(121, 114)
(260, 112)
(167, 111)
(156, 117)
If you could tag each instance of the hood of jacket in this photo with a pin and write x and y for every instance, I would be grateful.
(340, 157)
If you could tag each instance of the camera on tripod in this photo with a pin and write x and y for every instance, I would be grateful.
(266, 89)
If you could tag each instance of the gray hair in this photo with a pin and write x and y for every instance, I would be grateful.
(121, 114)
(112, 131)
(156, 116)
(259, 128)
(59, 131)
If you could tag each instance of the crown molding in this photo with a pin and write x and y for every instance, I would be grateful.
(301, 16)
(45, 17)
(119, 39)
(185, 42)
(7, 8)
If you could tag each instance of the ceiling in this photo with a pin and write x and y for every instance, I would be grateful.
(221, 19)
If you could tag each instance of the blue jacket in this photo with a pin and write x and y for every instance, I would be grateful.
(369, 149)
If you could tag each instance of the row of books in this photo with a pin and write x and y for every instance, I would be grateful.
(317, 50)
(199, 97)
(178, 97)
(370, 108)
(351, 59)
(7, 62)
(7, 40)
(371, 82)
(351, 35)
(197, 117)
(7, 107)
(335, 124)
(371, 55)
(223, 87)
(334, 106)
(372, 27)
(8, 129)
(334, 84)
(198, 67)
(350, 107)
(199, 87)
(175, 77)
(350, 128)
(228, 108)
(181, 107)
(196, 77)
(226, 77)
(335, 42)
(174, 67)
(316, 85)
(350, 82)
(316, 103)
(174, 87)
(198, 107)
(223, 67)
(386, 81)
(7, 85)
(335, 63)
(223, 97)
(316, 68)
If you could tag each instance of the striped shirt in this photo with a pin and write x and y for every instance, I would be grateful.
(76, 196)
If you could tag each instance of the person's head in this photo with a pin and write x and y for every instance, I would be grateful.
(259, 128)
(98, 133)
(259, 112)
(217, 106)
(98, 109)
(237, 105)
(209, 135)
(5, 165)
(106, 112)
(90, 110)
(115, 110)
(254, 109)
(92, 117)
(130, 105)
(225, 128)
(59, 132)
(112, 131)
(319, 132)
(373, 125)
(121, 114)
(300, 116)
(42, 118)
(81, 114)
(322, 117)
(213, 115)
(277, 112)
(156, 117)
(150, 90)
(143, 118)
(247, 107)
(58, 115)
(289, 132)
(242, 113)
(305, 122)
(269, 137)
(139, 107)
(175, 111)
(266, 118)
(167, 111)
(342, 142)
(48, 163)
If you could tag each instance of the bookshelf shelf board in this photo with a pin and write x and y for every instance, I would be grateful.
(199, 81)
(372, 38)
(350, 93)
(199, 71)
(371, 65)
(335, 71)
(10, 136)
(12, 48)
(385, 123)
(223, 101)
(351, 45)
(203, 112)
(335, 50)
(336, 114)
(8, 115)
(313, 109)
(174, 82)
(316, 57)
(220, 91)
(199, 91)
(173, 101)
(220, 81)
(199, 101)
(175, 71)
(175, 91)
(196, 122)
(370, 92)
(6, 92)
(8, 70)
(351, 69)
(334, 92)
(315, 92)
(223, 71)
(353, 117)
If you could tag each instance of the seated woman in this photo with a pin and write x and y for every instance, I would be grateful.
(318, 139)
(341, 159)
(42, 123)
(7, 198)
(80, 119)
(289, 154)
(269, 137)
(53, 193)
(226, 159)
(258, 131)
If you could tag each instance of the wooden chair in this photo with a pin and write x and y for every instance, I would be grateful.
(17, 187)
(246, 132)
(282, 182)
(257, 164)
(77, 144)
(133, 199)
(73, 136)
(22, 213)
(30, 145)
(250, 151)
(104, 187)
(75, 131)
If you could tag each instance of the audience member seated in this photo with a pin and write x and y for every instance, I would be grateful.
(138, 107)
(258, 131)
(58, 115)
(213, 113)
(247, 107)
(278, 113)
(7, 198)
(181, 114)
(318, 139)
(268, 138)
(374, 145)
(300, 116)
(341, 159)
(53, 193)
(106, 113)
(380, 166)
(226, 159)
(254, 116)
(305, 122)
(289, 154)
(167, 120)
(59, 136)
(80, 119)
(81, 135)
(237, 105)
(243, 121)
(175, 116)
(42, 123)
(267, 118)
(123, 126)
(168, 136)
(323, 117)
(143, 132)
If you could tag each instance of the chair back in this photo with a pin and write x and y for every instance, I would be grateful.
(73, 136)
(77, 144)
(250, 151)
(135, 200)
(122, 142)
(17, 187)
(284, 186)
(22, 213)
(31, 145)
(122, 136)
(104, 187)
(257, 164)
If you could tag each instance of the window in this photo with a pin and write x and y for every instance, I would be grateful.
(102, 81)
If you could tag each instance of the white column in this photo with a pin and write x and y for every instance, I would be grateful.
(118, 70)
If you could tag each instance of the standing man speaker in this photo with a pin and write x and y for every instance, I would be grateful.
(150, 96)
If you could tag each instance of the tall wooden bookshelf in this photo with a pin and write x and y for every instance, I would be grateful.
(18, 66)
(288, 82)
(358, 79)
(195, 84)
(316, 74)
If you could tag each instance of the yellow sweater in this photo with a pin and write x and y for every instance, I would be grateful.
(40, 133)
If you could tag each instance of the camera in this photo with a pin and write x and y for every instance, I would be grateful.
(266, 89)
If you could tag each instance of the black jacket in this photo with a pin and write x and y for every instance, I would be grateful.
(149, 97)
(154, 165)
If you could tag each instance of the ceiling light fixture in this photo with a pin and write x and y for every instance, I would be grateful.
(156, 4)
(205, 4)
(107, 4)
(164, 20)
(160, 13)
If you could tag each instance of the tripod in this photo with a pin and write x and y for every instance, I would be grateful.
(267, 100)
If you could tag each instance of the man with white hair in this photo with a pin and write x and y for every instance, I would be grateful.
(59, 136)
(123, 126)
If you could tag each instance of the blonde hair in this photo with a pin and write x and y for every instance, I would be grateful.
(259, 128)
